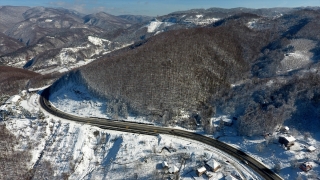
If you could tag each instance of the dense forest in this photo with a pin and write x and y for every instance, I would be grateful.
(174, 71)
(13, 79)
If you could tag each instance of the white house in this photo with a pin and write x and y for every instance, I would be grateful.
(311, 148)
(201, 170)
(213, 165)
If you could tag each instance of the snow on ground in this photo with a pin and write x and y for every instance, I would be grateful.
(67, 58)
(154, 25)
(300, 56)
(76, 100)
(251, 24)
(268, 150)
(200, 20)
(98, 41)
(31, 104)
(85, 152)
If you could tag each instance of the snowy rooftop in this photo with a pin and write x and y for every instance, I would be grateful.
(202, 169)
(213, 164)
(289, 138)
(311, 148)
(227, 120)
(307, 164)
(13, 99)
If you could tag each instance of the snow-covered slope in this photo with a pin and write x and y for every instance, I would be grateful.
(77, 100)
(200, 20)
(153, 26)
(44, 60)
(299, 56)
(61, 149)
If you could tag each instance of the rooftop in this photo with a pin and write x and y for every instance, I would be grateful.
(13, 99)
(311, 148)
(289, 138)
(202, 169)
(213, 164)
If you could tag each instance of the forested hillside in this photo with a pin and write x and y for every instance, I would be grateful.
(175, 71)
(284, 82)
(13, 79)
(251, 64)
(255, 69)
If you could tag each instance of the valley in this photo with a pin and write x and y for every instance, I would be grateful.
(245, 77)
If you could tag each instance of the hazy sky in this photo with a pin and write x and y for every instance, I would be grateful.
(155, 7)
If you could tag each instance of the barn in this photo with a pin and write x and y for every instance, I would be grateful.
(287, 140)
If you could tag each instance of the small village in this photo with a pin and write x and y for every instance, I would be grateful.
(289, 143)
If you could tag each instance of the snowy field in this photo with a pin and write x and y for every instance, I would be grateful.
(75, 99)
(79, 151)
(300, 56)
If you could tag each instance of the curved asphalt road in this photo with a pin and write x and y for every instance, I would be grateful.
(153, 130)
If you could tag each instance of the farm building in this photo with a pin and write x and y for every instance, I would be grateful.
(213, 165)
(306, 166)
(201, 170)
(287, 140)
(311, 148)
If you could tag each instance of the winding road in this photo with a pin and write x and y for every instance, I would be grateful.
(132, 127)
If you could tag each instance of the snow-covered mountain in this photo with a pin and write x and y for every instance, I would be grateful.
(10, 15)
(56, 40)
(235, 74)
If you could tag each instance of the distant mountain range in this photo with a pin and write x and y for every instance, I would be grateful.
(46, 32)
